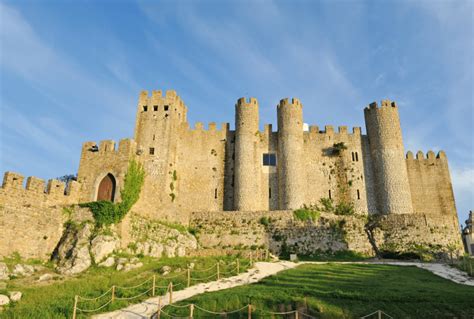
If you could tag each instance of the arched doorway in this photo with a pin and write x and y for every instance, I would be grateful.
(106, 190)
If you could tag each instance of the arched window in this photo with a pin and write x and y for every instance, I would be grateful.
(106, 190)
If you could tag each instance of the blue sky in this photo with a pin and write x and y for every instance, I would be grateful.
(71, 71)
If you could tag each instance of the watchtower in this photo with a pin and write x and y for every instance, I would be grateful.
(392, 186)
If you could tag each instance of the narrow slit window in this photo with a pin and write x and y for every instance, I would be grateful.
(155, 108)
(153, 137)
(145, 108)
(358, 194)
(357, 157)
(166, 107)
(269, 159)
(353, 157)
(330, 194)
(152, 151)
(215, 193)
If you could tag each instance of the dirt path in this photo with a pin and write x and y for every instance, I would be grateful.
(261, 270)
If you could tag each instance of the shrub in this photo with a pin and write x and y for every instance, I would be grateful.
(327, 203)
(265, 221)
(344, 209)
(305, 214)
(337, 148)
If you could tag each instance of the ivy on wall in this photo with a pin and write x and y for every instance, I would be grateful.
(106, 212)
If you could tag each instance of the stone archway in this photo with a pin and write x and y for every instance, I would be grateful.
(106, 189)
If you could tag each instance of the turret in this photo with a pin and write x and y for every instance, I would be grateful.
(246, 181)
(386, 146)
(291, 183)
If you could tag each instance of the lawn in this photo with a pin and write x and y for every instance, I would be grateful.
(343, 291)
(55, 299)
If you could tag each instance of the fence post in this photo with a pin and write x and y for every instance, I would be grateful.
(191, 310)
(379, 312)
(170, 288)
(218, 273)
(154, 286)
(113, 293)
(189, 277)
(238, 266)
(159, 307)
(75, 307)
(249, 312)
(296, 314)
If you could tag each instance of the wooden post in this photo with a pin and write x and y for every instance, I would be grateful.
(75, 307)
(296, 314)
(159, 307)
(218, 273)
(238, 266)
(379, 312)
(191, 310)
(249, 313)
(113, 293)
(189, 277)
(154, 286)
(171, 292)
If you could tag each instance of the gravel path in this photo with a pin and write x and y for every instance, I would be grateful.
(261, 270)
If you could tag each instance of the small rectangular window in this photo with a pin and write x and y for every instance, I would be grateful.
(215, 193)
(353, 157)
(152, 151)
(330, 194)
(357, 157)
(145, 108)
(166, 107)
(269, 159)
(358, 194)
(155, 108)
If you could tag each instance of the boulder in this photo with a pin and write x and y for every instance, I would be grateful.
(181, 251)
(165, 270)
(4, 272)
(72, 253)
(130, 266)
(15, 295)
(109, 262)
(156, 250)
(102, 246)
(4, 300)
(45, 277)
(23, 270)
(170, 250)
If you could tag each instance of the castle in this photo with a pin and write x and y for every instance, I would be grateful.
(248, 170)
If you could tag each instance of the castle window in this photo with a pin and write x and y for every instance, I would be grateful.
(269, 159)
(357, 156)
(153, 137)
(145, 108)
(152, 151)
(353, 157)
(330, 194)
(215, 193)
(166, 107)
(155, 108)
(358, 194)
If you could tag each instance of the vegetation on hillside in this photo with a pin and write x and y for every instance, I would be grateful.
(344, 291)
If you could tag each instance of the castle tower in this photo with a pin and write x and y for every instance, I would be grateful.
(246, 181)
(386, 146)
(291, 185)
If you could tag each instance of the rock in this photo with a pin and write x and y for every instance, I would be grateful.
(102, 246)
(119, 267)
(129, 266)
(122, 260)
(177, 270)
(156, 250)
(181, 251)
(134, 260)
(45, 277)
(170, 250)
(4, 272)
(4, 300)
(165, 269)
(72, 254)
(23, 270)
(109, 262)
(15, 295)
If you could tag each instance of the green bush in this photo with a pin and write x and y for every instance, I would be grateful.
(327, 203)
(265, 221)
(344, 209)
(106, 212)
(305, 214)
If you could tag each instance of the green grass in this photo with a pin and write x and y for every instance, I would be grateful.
(55, 299)
(344, 291)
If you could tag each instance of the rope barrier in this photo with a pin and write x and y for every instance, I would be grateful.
(204, 270)
(94, 310)
(220, 313)
(133, 287)
(91, 299)
(133, 297)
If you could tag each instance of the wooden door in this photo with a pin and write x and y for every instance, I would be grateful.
(106, 189)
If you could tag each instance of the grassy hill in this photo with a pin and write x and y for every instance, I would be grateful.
(344, 291)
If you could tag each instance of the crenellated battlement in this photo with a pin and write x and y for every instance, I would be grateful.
(158, 100)
(430, 156)
(385, 104)
(13, 183)
(244, 102)
(287, 102)
(342, 131)
(107, 147)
